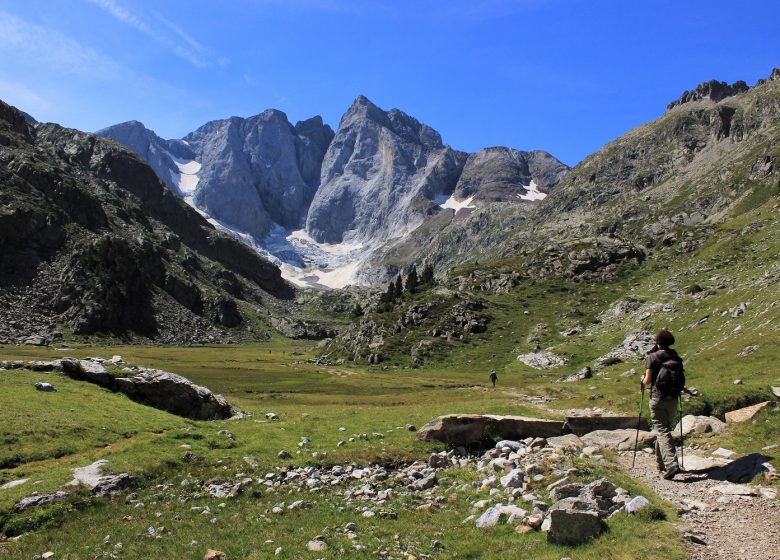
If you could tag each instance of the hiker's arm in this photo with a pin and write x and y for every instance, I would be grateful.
(648, 376)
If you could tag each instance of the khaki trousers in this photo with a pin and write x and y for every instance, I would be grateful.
(663, 412)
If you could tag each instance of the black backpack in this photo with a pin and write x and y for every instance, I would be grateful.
(670, 380)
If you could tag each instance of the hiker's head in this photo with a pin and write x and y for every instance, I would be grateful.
(664, 338)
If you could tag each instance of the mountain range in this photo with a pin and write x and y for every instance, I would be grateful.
(320, 203)
(95, 242)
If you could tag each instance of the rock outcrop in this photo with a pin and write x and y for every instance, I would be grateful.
(713, 90)
(159, 389)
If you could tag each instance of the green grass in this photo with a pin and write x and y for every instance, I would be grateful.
(55, 432)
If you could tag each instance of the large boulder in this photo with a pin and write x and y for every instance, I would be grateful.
(175, 394)
(468, 429)
(699, 425)
(572, 527)
(152, 387)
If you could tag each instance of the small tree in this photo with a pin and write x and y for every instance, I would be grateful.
(398, 287)
(426, 276)
(412, 280)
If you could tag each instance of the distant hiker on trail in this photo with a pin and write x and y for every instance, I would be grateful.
(493, 378)
(665, 376)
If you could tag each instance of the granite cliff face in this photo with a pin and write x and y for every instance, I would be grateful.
(249, 174)
(259, 172)
(380, 176)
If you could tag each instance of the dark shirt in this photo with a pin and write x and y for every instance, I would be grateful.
(655, 360)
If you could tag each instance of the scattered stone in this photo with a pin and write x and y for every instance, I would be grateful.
(489, 518)
(748, 350)
(411, 428)
(776, 391)
(252, 462)
(214, 555)
(747, 413)
(569, 441)
(743, 469)
(271, 416)
(584, 373)
(317, 545)
(636, 504)
(45, 387)
(284, 454)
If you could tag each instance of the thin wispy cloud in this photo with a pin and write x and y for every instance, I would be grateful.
(173, 38)
(24, 42)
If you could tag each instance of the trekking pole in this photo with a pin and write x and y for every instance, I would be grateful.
(682, 440)
(638, 422)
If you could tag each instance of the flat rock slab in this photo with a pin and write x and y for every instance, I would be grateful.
(13, 483)
(573, 528)
(731, 489)
(697, 464)
(618, 439)
(747, 413)
(581, 425)
(467, 429)
(567, 441)
(90, 475)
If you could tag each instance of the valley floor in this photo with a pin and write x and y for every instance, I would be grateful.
(327, 416)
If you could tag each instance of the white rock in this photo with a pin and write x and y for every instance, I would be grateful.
(489, 518)
(637, 504)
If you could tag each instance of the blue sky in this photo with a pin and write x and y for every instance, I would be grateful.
(565, 76)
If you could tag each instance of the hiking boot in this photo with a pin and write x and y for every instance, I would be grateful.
(670, 472)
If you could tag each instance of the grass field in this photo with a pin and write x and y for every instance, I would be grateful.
(48, 434)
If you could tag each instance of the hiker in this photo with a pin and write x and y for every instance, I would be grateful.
(664, 375)
(493, 378)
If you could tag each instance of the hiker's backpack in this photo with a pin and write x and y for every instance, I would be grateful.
(670, 380)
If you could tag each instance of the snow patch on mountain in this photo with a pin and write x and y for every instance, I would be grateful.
(532, 192)
(453, 203)
(186, 177)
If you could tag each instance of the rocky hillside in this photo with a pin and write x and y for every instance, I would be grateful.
(711, 155)
(93, 243)
(680, 210)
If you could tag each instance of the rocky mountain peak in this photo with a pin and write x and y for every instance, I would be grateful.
(713, 90)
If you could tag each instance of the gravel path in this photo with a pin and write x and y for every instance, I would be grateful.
(733, 527)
